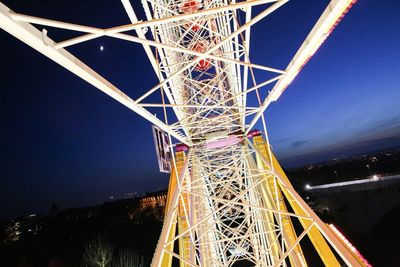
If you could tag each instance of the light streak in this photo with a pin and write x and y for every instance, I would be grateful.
(373, 179)
(324, 27)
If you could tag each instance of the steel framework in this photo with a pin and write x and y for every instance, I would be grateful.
(229, 202)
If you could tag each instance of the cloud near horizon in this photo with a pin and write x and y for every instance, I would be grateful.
(381, 135)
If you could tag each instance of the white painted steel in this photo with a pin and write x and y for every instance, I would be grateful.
(202, 62)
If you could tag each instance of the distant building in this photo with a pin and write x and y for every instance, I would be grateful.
(154, 199)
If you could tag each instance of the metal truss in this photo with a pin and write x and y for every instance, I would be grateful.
(229, 206)
(229, 201)
(232, 219)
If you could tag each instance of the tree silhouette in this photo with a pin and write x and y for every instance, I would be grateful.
(98, 253)
(128, 258)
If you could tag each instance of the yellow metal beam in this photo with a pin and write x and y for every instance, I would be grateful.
(290, 237)
(320, 244)
(183, 220)
(179, 159)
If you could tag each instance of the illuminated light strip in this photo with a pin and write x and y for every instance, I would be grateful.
(349, 245)
(230, 141)
(324, 26)
(329, 32)
(331, 17)
(375, 178)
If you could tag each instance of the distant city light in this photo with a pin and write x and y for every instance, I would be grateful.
(101, 48)
(308, 186)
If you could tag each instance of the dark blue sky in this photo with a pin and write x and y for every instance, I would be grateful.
(63, 140)
(348, 96)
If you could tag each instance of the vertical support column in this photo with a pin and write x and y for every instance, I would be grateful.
(184, 211)
(289, 234)
(298, 206)
(166, 258)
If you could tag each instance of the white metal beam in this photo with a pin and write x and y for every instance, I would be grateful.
(140, 39)
(40, 42)
(133, 18)
(315, 38)
(134, 26)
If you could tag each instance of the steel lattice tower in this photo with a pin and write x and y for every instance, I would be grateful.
(229, 201)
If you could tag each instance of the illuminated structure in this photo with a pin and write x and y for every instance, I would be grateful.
(153, 200)
(229, 201)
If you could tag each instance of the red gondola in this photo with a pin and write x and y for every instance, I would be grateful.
(190, 6)
(203, 64)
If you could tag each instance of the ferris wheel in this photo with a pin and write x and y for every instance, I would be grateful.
(229, 201)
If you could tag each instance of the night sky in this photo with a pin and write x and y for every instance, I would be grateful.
(64, 141)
